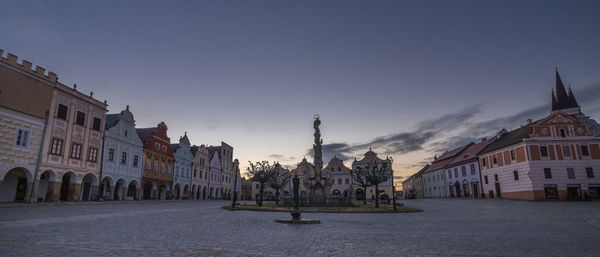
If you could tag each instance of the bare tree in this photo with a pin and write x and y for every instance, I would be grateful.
(360, 178)
(261, 172)
(376, 174)
(280, 179)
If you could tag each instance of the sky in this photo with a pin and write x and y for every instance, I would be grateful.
(411, 79)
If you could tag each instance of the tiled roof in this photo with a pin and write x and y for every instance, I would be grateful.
(509, 138)
(146, 133)
(111, 120)
(446, 158)
(470, 152)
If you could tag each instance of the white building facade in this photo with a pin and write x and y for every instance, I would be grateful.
(122, 158)
(182, 153)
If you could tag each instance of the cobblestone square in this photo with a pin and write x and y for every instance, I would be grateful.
(447, 227)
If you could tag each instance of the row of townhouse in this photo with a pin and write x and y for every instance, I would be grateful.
(556, 157)
(339, 176)
(58, 144)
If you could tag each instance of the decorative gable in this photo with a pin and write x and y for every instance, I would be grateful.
(559, 125)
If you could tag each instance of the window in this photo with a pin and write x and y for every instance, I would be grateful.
(590, 172)
(496, 177)
(347, 181)
(162, 168)
(483, 162)
(123, 158)
(257, 186)
(450, 174)
(76, 151)
(62, 112)
(463, 171)
(512, 155)
(562, 133)
(584, 150)
(156, 146)
(195, 174)
(566, 150)
(494, 159)
(455, 172)
(544, 151)
(148, 163)
(111, 154)
(486, 179)
(135, 161)
(516, 174)
(96, 125)
(550, 191)
(339, 181)
(23, 136)
(125, 133)
(93, 154)
(156, 165)
(547, 173)
(570, 173)
(339, 168)
(164, 148)
(331, 168)
(472, 167)
(80, 120)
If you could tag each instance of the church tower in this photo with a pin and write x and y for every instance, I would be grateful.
(564, 100)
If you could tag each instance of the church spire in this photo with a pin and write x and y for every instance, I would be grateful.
(554, 103)
(562, 98)
(572, 100)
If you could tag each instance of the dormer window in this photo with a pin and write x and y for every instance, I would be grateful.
(562, 133)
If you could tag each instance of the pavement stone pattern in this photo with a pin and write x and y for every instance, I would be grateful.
(447, 227)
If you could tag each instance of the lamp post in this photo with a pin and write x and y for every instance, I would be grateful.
(234, 198)
(296, 211)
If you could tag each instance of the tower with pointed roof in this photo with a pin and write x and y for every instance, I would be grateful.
(564, 100)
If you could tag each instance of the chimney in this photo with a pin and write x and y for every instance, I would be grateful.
(483, 139)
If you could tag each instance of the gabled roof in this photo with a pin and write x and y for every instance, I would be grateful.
(509, 138)
(111, 120)
(446, 158)
(470, 153)
(146, 133)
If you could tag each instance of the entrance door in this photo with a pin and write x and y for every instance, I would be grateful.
(573, 192)
(498, 192)
(21, 189)
(86, 191)
(147, 191)
(475, 190)
(64, 188)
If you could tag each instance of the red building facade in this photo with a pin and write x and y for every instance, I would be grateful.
(157, 174)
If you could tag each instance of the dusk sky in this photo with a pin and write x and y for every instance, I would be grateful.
(411, 79)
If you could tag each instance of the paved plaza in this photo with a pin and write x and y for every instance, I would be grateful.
(447, 227)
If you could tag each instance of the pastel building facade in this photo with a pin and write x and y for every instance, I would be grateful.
(556, 157)
(304, 170)
(384, 188)
(122, 158)
(200, 176)
(214, 176)
(182, 168)
(25, 99)
(157, 173)
(71, 155)
(434, 179)
(340, 175)
(225, 152)
(463, 175)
